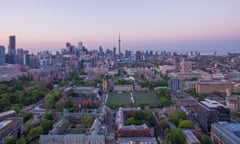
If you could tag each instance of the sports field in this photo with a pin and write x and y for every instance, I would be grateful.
(123, 99)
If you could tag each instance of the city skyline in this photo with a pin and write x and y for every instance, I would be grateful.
(175, 26)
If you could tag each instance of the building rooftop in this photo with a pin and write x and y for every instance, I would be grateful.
(77, 138)
(7, 113)
(140, 140)
(214, 82)
(190, 136)
(4, 123)
(230, 129)
(212, 103)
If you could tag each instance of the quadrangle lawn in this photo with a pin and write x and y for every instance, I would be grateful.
(148, 98)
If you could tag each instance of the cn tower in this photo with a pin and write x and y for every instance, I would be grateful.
(119, 44)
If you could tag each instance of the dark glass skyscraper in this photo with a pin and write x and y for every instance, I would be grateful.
(11, 56)
(12, 45)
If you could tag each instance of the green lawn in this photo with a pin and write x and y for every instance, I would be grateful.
(146, 98)
(119, 99)
(123, 99)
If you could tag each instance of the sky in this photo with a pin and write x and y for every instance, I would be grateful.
(174, 25)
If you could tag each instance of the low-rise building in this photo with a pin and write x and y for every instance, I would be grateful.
(233, 102)
(137, 140)
(10, 127)
(189, 85)
(72, 139)
(87, 97)
(130, 130)
(190, 138)
(186, 102)
(210, 111)
(174, 84)
(225, 133)
(10, 72)
(7, 114)
(213, 86)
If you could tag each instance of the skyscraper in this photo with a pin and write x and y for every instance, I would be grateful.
(11, 56)
(2, 55)
(119, 44)
(114, 52)
(12, 45)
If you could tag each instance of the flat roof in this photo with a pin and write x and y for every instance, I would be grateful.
(230, 129)
(71, 137)
(210, 82)
(190, 136)
(212, 103)
(130, 140)
(4, 123)
(7, 112)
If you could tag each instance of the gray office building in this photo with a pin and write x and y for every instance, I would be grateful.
(174, 84)
(210, 111)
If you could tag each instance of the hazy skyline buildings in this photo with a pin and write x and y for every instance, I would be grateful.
(206, 26)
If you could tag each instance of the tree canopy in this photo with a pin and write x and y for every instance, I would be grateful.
(205, 139)
(16, 94)
(185, 124)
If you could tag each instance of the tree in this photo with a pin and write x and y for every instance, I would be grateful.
(205, 139)
(88, 119)
(185, 124)
(130, 121)
(175, 118)
(21, 140)
(49, 100)
(34, 133)
(48, 116)
(163, 93)
(4, 104)
(165, 102)
(191, 91)
(27, 116)
(11, 140)
(46, 125)
(163, 123)
(177, 137)
(60, 105)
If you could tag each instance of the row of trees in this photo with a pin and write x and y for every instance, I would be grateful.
(51, 98)
(123, 81)
(177, 117)
(139, 118)
(153, 84)
(164, 97)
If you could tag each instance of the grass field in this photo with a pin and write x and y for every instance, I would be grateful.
(123, 99)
